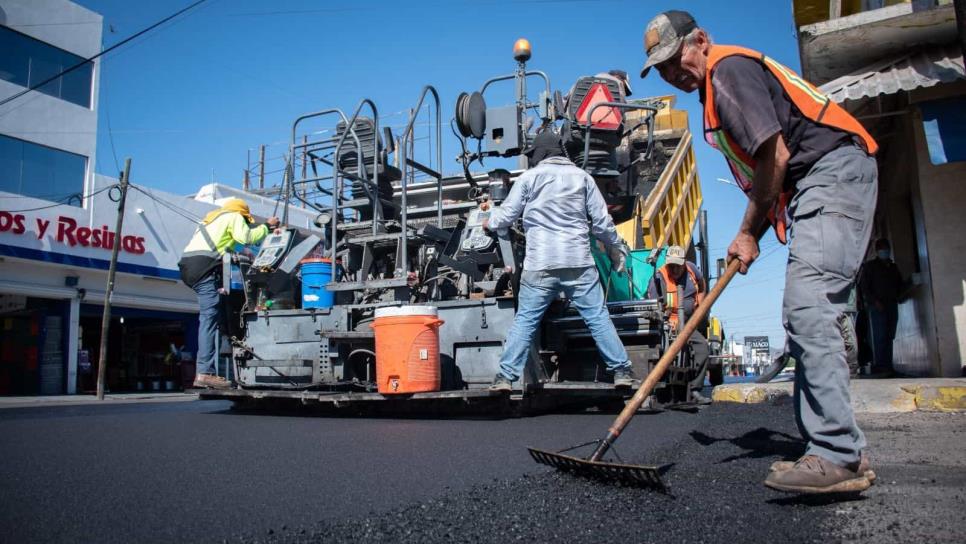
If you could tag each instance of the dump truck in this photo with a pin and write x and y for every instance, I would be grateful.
(394, 231)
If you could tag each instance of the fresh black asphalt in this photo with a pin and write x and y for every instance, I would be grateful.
(198, 472)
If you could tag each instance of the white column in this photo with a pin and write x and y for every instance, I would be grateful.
(73, 342)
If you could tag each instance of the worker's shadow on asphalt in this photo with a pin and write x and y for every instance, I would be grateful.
(758, 443)
(761, 443)
(825, 499)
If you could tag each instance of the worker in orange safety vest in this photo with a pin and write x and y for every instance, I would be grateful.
(676, 273)
(808, 169)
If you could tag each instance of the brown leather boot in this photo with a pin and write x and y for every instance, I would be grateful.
(210, 381)
(814, 474)
(865, 467)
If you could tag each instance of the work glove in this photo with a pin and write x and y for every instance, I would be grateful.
(618, 256)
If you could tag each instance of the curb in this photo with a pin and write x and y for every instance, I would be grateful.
(868, 396)
(747, 393)
(89, 400)
(947, 398)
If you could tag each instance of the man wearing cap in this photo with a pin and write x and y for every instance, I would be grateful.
(620, 76)
(807, 167)
(678, 272)
(200, 269)
(557, 200)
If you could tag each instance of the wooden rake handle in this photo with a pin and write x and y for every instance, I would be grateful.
(638, 399)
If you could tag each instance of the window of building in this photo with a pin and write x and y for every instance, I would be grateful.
(26, 61)
(41, 172)
(944, 122)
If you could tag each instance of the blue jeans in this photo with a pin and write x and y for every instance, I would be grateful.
(208, 302)
(538, 289)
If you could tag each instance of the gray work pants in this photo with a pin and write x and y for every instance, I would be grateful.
(832, 213)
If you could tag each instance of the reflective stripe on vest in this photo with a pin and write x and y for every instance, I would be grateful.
(811, 102)
(672, 292)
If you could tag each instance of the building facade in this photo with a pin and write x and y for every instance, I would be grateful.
(897, 66)
(57, 221)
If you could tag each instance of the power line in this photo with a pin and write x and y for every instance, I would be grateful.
(102, 53)
(174, 208)
(62, 202)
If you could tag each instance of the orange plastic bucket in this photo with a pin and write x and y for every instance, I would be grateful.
(407, 349)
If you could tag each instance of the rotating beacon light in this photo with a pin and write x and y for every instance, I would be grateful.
(521, 50)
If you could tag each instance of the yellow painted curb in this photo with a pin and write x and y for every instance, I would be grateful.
(747, 393)
(904, 402)
(941, 398)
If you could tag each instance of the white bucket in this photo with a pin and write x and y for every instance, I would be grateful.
(398, 311)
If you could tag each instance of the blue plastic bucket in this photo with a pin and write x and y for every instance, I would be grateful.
(316, 273)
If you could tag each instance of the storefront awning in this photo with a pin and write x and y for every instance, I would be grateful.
(905, 72)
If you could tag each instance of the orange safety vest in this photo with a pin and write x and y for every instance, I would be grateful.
(812, 103)
(672, 293)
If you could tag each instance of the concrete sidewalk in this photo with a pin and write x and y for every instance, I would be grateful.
(79, 400)
(868, 395)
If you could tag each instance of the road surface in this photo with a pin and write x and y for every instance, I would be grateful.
(198, 472)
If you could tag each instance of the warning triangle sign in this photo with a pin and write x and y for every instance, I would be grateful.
(604, 118)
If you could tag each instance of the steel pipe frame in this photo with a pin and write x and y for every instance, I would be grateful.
(520, 76)
(335, 198)
(376, 206)
(404, 142)
(527, 73)
(622, 106)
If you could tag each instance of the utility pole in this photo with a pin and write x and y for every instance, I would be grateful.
(261, 167)
(115, 248)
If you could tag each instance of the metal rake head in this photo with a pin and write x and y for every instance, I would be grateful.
(622, 473)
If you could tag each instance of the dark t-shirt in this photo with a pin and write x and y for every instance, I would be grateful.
(881, 281)
(753, 106)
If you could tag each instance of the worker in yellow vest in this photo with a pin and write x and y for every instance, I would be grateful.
(808, 168)
(678, 272)
(200, 267)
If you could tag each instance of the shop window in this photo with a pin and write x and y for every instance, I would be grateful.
(944, 122)
(41, 172)
(26, 62)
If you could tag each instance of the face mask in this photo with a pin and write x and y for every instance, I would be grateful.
(883, 254)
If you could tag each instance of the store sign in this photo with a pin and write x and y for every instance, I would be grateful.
(757, 342)
(67, 232)
(12, 303)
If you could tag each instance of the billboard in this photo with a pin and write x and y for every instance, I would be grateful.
(757, 343)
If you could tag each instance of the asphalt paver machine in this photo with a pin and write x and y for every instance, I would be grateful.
(396, 231)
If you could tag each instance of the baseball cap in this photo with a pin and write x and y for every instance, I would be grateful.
(664, 36)
(621, 75)
(674, 255)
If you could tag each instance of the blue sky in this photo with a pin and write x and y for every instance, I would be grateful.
(189, 100)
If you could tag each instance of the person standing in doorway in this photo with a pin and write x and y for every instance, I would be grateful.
(882, 287)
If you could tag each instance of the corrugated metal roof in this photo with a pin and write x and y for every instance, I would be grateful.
(906, 72)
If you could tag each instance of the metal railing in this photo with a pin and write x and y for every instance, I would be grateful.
(372, 187)
(326, 143)
(405, 140)
(621, 106)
